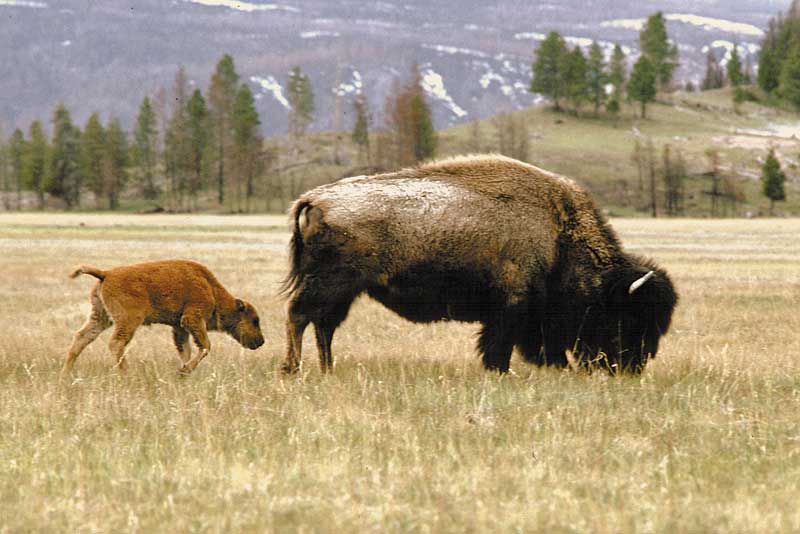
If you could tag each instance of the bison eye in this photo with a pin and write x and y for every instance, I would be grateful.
(255, 322)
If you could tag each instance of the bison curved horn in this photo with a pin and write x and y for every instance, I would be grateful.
(639, 282)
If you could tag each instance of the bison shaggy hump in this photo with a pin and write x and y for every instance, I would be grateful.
(484, 239)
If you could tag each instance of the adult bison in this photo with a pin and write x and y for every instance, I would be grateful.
(483, 239)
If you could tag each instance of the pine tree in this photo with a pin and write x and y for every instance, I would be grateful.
(409, 122)
(425, 138)
(734, 68)
(618, 72)
(177, 143)
(221, 96)
(475, 144)
(247, 143)
(769, 63)
(674, 170)
(596, 76)
(145, 149)
(64, 177)
(360, 133)
(5, 174)
(16, 158)
(301, 100)
(199, 139)
(92, 152)
(115, 162)
(512, 136)
(772, 180)
(747, 74)
(790, 77)
(549, 67)
(715, 76)
(642, 85)
(655, 45)
(575, 79)
(338, 95)
(35, 162)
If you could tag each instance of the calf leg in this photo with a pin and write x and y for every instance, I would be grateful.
(195, 324)
(96, 323)
(181, 339)
(122, 335)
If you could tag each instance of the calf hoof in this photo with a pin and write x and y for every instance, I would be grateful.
(184, 371)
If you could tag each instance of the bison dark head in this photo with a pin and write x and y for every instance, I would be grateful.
(636, 311)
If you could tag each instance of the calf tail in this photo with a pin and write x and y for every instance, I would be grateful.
(88, 269)
(299, 221)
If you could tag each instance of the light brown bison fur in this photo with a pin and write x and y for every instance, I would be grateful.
(482, 239)
(182, 294)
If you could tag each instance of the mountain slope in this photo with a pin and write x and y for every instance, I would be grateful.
(108, 55)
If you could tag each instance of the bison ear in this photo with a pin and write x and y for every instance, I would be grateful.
(239, 305)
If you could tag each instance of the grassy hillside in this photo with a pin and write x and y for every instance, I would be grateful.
(598, 152)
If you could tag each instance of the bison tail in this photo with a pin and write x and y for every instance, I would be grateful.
(88, 269)
(300, 221)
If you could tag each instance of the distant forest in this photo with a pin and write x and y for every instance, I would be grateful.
(192, 150)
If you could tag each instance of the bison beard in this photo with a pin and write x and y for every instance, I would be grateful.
(480, 239)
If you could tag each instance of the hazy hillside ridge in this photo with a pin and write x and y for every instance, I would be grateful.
(475, 59)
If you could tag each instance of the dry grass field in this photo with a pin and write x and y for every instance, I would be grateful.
(408, 434)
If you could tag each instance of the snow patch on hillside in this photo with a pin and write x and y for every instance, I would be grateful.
(271, 85)
(244, 6)
(707, 23)
(354, 86)
(377, 23)
(22, 3)
(318, 33)
(433, 84)
(530, 35)
(489, 77)
(743, 49)
(444, 49)
(625, 24)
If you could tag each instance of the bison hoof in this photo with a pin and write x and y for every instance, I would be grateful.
(290, 368)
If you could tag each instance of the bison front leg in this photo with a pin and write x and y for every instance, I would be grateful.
(324, 335)
(495, 343)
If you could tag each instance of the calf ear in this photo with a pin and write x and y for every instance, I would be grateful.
(239, 305)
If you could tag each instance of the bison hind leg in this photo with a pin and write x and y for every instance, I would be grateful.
(326, 317)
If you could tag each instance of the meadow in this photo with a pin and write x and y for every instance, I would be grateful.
(408, 433)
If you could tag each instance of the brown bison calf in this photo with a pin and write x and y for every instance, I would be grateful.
(182, 294)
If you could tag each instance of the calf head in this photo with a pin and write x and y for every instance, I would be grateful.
(243, 325)
(638, 303)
